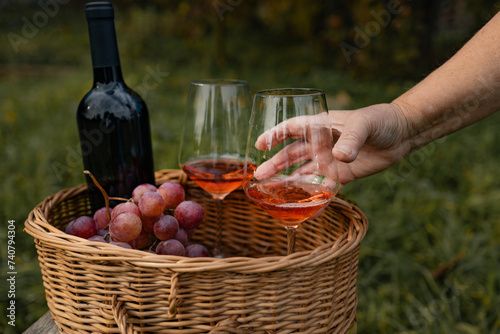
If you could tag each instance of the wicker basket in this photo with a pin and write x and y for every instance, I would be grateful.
(95, 287)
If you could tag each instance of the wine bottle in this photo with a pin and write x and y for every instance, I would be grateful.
(113, 120)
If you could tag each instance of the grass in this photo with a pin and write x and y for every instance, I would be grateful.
(429, 263)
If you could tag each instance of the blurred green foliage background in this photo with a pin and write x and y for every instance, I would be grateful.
(430, 261)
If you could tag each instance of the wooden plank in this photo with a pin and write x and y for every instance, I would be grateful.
(45, 325)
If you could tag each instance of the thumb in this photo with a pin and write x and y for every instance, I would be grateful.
(350, 141)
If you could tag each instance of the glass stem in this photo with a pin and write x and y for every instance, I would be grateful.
(290, 235)
(218, 237)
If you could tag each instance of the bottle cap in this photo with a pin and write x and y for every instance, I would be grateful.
(99, 10)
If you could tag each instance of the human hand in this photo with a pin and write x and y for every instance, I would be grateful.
(365, 141)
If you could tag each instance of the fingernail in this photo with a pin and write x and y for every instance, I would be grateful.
(344, 149)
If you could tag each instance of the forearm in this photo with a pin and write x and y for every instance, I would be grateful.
(462, 91)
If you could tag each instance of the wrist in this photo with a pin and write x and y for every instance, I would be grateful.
(412, 123)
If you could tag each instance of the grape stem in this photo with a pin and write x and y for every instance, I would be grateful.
(104, 194)
(121, 199)
(106, 197)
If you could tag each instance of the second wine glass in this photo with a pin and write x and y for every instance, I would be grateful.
(290, 170)
(212, 148)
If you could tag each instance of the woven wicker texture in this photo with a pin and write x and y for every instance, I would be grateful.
(94, 287)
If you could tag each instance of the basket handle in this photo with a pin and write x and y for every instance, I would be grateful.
(173, 302)
(227, 326)
(120, 315)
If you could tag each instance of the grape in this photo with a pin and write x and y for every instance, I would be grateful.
(138, 225)
(151, 204)
(182, 236)
(149, 222)
(166, 228)
(101, 218)
(121, 244)
(83, 227)
(170, 247)
(126, 207)
(104, 234)
(140, 190)
(189, 214)
(97, 238)
(69, 227)
(173, 194)
(143, 240)
(196, 250)
(125, 227)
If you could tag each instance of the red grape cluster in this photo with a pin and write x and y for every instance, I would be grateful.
(157, 220)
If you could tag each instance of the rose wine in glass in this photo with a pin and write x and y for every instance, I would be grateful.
(290, 171)
(218, 177)
(290, 204)
(213, 144)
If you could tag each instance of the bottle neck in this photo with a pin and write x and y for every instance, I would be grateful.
(107, 74)
(104, 50)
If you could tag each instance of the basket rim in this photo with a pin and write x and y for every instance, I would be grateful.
(39, 228)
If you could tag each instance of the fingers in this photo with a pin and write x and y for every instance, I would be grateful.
(352, 137)
(353, 129)
(288, 156)
(293, 128)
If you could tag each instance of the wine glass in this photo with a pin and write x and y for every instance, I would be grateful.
(290, 171)
(212, 149)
